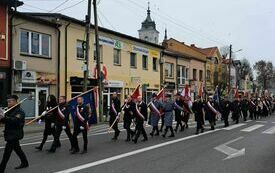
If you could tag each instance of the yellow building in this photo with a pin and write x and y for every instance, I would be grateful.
(130, 61)
(214, 67)
(191, 67)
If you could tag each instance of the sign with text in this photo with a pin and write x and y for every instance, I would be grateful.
(110, 42)
(141, 50)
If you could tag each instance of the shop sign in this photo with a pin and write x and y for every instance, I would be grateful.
(140, 50)
(114, 84)
(110, 42)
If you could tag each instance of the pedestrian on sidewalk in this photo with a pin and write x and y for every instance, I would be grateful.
(14, 122)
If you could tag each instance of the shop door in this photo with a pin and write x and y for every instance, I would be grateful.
(29, 105)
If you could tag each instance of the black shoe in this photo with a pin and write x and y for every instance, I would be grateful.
(39, 148)
(71, 149)
(197, 132)
(182, 129)
(187, 126)
(22, 166)
(135, 141)
(212, 128)
(157, 134)
(151, 134)
(202, 130)
(176, 130)
(163, 135)
(83, 152)
(51, 150)
(75, 151)
(145, 139)
(171, 136)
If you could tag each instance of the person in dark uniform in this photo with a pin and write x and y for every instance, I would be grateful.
(244, 108)
(50, 120)
(251, 108)
(178, 108)
(265, 110)
(114, 114)
(129, 109)
(155, 107)
(186, 115)
(258, 108)
(14, 122)
(199, 112)
(81, 125)
(225, 107)
(141, 114)
(236, 110)
(210, 113)
(168, 107)
(62, 123)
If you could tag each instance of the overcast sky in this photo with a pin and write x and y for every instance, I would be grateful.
(246, 24)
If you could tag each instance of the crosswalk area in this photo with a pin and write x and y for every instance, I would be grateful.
(263, 127)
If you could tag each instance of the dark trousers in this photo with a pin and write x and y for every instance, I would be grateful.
(140, 130)
(225, 119)
(251, 114)
(115, 126)
(155, 128)
(179, 123)
(77, 130)
(59, 128)
(127, 126)
(10, 146)
(47, 132)
(244, 115)
(168, 128)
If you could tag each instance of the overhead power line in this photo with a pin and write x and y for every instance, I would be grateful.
(64, 2)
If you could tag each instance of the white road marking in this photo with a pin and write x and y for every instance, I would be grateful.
(110, 159)
(234, 126)
(248, 121)
(230, 152)
(251, 128)
(270, 130)
(261, 121)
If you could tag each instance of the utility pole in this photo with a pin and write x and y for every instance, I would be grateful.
(87, 46)
(99, 76)
(229, 68)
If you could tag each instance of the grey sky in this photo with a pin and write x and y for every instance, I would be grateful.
(247, 24)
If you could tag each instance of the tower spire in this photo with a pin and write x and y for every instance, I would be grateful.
(165, 34)
(148, 11)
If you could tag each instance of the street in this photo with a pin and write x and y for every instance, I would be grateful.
(185, 153)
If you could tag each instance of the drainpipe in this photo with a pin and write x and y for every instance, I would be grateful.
(66, 58)
(177, 84)
(58, 63)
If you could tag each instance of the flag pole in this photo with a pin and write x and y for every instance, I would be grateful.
(40, 116)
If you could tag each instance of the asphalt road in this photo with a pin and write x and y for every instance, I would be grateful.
(186, 152)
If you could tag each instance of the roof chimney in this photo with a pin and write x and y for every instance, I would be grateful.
(193, 45)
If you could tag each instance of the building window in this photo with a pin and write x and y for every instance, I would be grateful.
(117, 54)
(208, 74)
(155, 64)
(100, 53)
(195, 74)
(145, 62)
(133, 60)
(169, 70)
(80, 53)
(200, 75)
(34, 43)
(181, 74)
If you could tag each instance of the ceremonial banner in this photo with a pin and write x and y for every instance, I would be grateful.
(89, 101)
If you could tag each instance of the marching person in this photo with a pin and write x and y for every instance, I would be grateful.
(81, 125)
(141, 116)
(62, 123)
(199, 114)
(114, 114)
(210, 112)
(258, 109)
(128, 108)
(50, 119)
(186, 116)
(265, 109)
(167, 107)
(155, 114)
(14, 122)
(178, 108)
(251, 108)
(236, 110)
(244, 107)
(225, 105)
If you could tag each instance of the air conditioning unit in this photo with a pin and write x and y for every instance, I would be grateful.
(28, 77)
(19, 65)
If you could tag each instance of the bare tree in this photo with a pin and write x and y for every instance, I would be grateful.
(264, 72)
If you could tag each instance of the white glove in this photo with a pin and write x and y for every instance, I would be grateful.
(44, 113)
(63, 127)
(81, 128)
(39, 121)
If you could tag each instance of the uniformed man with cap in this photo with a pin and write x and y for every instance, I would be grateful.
(114, 113)
(14, 122)
(244, 107)
(210, 112)
(178, 108)
(168, 107)
(198, 109)
(236, 110)
(128, 108)
(155, 106)
(225, 106)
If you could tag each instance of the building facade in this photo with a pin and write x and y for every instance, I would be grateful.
(35, 61)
